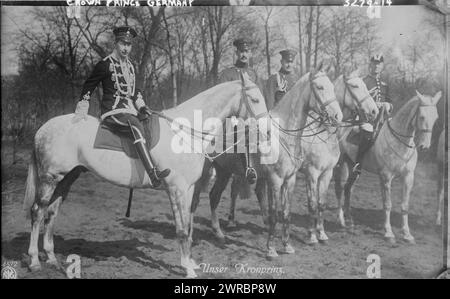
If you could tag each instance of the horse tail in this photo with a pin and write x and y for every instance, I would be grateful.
(31, 184)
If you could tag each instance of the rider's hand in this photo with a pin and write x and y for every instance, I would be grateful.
(145, 110)
(81, 112)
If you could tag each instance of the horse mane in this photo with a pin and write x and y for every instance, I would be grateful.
(196, 101)
(406, 112)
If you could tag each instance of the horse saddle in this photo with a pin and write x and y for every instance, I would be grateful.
(354, 136)
(108, 137)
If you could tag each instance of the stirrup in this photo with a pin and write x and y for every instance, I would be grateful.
(357, 168)
(251, 175)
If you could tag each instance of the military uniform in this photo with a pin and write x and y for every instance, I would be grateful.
(120, 94)
(232, 74)
(121, 100)
(378, 89)
(277, 86)
(281, 82)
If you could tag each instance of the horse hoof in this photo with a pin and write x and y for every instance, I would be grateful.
(324, 241)
(53, 262)
(191, 274)
(194, 265)
(288, 249)
(390, 240)
(271, 254)
(410, 240)
(35, 268)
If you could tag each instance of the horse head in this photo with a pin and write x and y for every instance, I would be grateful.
(355, 95)
(424, 119)
(324, 100)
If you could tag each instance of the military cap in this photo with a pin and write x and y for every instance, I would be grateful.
(377, 58)
(288, 55)
(124, 33)
(242, 44)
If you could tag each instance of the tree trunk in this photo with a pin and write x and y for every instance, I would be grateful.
(316, 38)
(309, 34)
(266, 27)
(172, 64)
(300, 46)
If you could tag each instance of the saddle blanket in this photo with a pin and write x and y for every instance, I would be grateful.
(108, 138)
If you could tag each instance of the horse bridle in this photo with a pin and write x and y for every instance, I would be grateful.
(398, 135)
(246, 101)
(353, 96)
(322, 105)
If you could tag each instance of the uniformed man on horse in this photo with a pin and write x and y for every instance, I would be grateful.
(122, 99)
(379, 91)
(282, 81)
(233, 73)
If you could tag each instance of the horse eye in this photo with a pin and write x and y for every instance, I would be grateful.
(319, 87)
(255, 100)
(353, 85)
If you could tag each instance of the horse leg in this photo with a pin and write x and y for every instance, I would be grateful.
(385, 182)
(440, 185)
(311, 191)
(287, 192)
(274, 193)
(49, 222)
(235, 188)
(181, 207)
(348, 219)
(324, 182)
(340, 173)
(46, 187)
(59, 195)
(408, 181)
(261, 192)
(214, 198)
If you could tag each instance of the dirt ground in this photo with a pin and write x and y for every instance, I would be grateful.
(92, 224)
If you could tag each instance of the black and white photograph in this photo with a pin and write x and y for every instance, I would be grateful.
(224, 140)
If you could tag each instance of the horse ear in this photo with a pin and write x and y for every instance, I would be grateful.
(347, 71)
(436, 97)
(325, 65)
(419, 94)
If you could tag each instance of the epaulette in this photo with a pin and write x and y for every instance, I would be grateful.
(383, 83)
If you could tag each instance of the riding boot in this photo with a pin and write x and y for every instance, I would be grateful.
(365, 143)
(154, 174)
(250, 172)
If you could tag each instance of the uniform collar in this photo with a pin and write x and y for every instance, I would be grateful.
(116, 57)
(284, 72)
(375, 77)
(241, 65)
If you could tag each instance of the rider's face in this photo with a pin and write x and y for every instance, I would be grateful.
(287, 65)
(376, 67)
(244, 55)
(123, 48)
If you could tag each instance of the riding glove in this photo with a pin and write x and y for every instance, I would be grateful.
(81, 112)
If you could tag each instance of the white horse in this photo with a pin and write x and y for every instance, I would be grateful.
(320, 149)
(62, 150)
(394, 153)
(440, 160)
(300, 97)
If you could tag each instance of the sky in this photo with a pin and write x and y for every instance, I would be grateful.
(397, 25)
